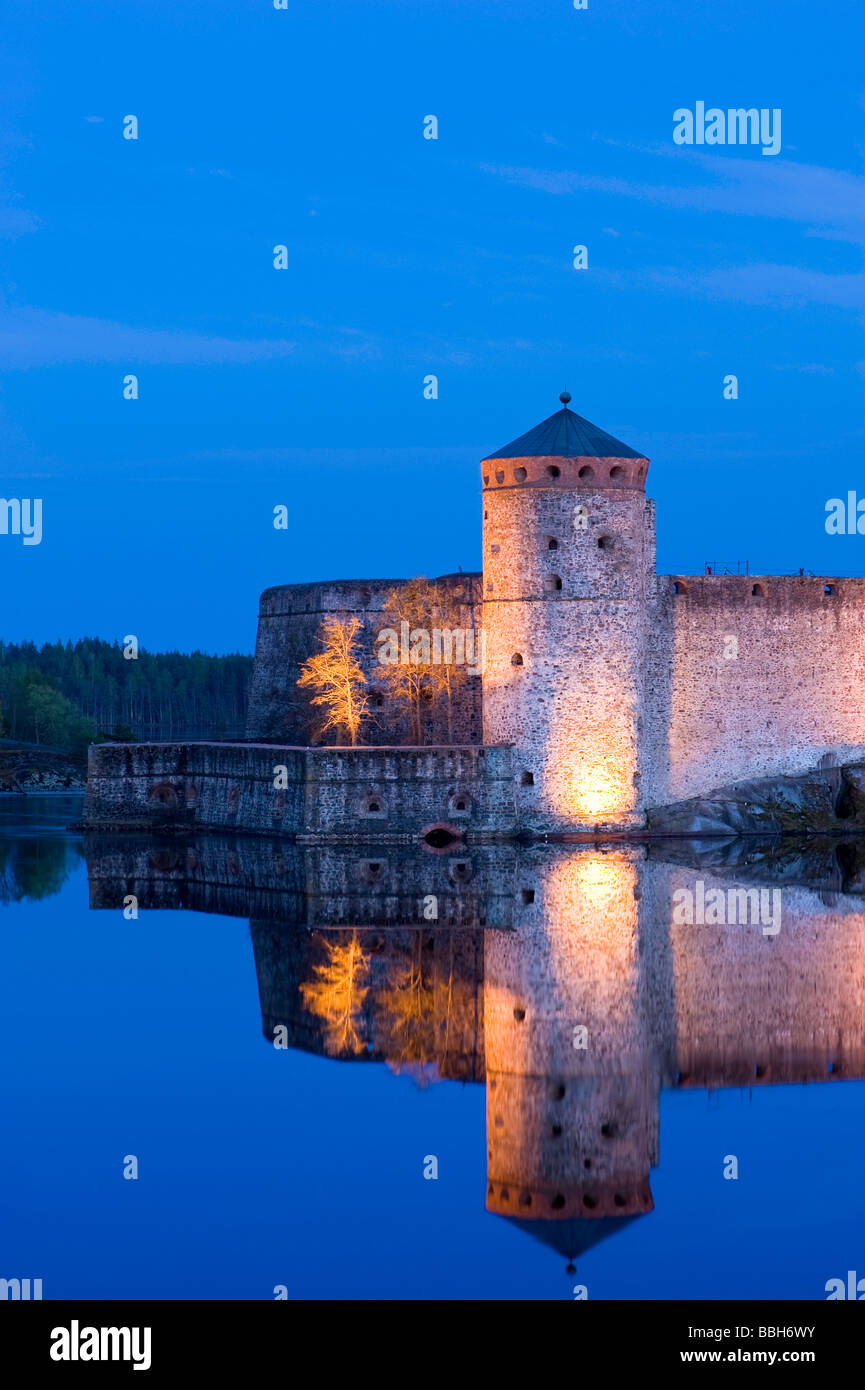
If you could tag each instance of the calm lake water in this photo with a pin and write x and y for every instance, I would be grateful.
(285, 1043)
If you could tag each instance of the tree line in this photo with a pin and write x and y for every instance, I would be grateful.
(69, 694)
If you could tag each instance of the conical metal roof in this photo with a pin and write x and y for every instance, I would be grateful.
(566, 435)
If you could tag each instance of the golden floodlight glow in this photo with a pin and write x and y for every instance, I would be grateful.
(599, 788)
(598, 879)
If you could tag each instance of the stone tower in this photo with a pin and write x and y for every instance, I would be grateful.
(571, 1000)
(568, 538)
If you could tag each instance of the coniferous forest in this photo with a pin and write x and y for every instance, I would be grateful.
(69, 694)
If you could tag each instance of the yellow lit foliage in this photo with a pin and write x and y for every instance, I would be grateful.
(338, 992)
(337, 679)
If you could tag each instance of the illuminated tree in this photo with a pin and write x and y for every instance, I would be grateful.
(427, 660)
(337, 679)
(338, 992)
(408, 681)
(407, 1009)
(446, 676)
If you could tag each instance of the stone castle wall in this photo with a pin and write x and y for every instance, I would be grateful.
(290, 617)
(688, 720)
(361, 794)
(792, 693)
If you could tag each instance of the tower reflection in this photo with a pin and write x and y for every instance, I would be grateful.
(557, 977)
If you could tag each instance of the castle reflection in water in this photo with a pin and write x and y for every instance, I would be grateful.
(530, 947)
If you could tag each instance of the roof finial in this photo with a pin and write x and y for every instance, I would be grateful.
(564, 398)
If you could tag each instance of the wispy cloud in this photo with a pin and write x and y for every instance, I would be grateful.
(37, 338)
(809, 368)
(15, 221)
(829, 201)
(780, 286)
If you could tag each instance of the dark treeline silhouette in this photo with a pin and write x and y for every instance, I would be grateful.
(67, 694)
(35, 867)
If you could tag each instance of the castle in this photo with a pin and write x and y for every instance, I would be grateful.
(621, 689)
(609, 690)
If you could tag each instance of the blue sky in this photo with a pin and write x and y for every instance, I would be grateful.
(408, 257)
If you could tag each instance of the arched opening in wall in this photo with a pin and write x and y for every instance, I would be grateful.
(365, 596)
(758, 591)
(500, 475)
(460, 871)
(527, 779)
(586, 473)
(486, 479)
(679, 587)
(553, 583)
(373, 805)
(830, 589)
(520, 475)
(164, 794)
(441, 837)
(554, 471)
(552, 543)
(606, 543)
(617, 472)
(376, 700)
(494, 549)
(486, 516)
(516, 659)
(459, 804)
